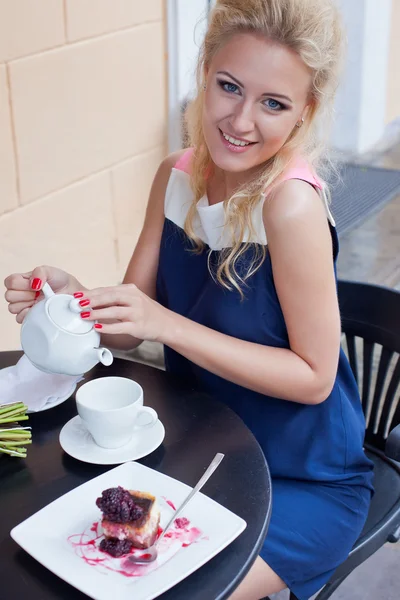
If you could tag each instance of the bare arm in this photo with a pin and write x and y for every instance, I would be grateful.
(300, 245)
(143, 266)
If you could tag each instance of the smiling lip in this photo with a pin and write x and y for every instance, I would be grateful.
(233, 147)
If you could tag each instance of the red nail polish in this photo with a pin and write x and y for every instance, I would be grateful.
(98, 326)
(84, 302)
(37, 294)
(78, 295)
(36, 284)
(85, 315)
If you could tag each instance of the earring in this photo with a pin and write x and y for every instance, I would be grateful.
(300, 123)
(204, 86)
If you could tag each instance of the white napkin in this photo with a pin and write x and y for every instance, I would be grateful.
(25, 383)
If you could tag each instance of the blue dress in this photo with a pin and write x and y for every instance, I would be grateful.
(322, 480)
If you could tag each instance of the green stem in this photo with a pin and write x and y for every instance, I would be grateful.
(15, 438)
(5, 408)
(19, 443)
(18, 428)
(4, 435)
(13, 453)
(12, 419)
(13, 413)
(14, 416)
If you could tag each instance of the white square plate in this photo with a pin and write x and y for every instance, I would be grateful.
(64, 537)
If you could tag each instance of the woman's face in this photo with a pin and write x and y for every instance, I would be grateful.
(256, 92)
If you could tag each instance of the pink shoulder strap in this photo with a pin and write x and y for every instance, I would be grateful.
(183, 163)
(301, 170)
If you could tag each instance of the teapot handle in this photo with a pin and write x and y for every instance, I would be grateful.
(47, 291)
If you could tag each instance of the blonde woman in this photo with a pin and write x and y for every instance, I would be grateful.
(234, 273)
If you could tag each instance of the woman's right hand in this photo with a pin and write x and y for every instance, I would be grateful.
(23, 289)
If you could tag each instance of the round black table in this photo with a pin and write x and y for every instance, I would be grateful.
(196, 428)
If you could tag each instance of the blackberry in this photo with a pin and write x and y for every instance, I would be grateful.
(115, 547)
(117, 505)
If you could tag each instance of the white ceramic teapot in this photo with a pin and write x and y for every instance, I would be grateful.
(56, 339)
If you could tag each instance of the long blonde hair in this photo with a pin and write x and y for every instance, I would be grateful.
(312, 28)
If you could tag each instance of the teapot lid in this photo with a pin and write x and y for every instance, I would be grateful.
(64, 310)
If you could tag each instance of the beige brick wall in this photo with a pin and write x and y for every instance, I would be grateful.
(82, 131)
(393, 88)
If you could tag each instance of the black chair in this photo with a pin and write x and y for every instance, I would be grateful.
(372, 313)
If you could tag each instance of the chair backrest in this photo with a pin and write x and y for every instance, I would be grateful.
(371, 325)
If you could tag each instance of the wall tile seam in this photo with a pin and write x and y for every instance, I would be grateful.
(33, 54)
(65, 20)
(13, 136)
(117, 256)
(75, 182)
(88, 38)
(125, 161)
(82, 41)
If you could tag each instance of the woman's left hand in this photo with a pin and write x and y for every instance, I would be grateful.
(131, 311)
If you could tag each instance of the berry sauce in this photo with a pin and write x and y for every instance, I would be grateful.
(114, 555)
(170, 503)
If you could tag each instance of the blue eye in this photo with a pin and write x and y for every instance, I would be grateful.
(274, 104)
(229, 87)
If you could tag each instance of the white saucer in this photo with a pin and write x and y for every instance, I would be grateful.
(55, 402)
(78, 442)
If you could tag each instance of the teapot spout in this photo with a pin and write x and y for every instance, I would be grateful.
(104, 356)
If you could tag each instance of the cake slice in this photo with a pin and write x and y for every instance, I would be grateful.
(130, 517)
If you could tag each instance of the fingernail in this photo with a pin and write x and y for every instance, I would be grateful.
(36, 284)
(85, 315)
(78, 295)
(98, 326)
(84, 302)
(37, 294)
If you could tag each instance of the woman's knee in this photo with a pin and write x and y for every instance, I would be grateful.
(259, 582)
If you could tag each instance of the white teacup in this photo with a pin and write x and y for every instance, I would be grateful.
(112, 410)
